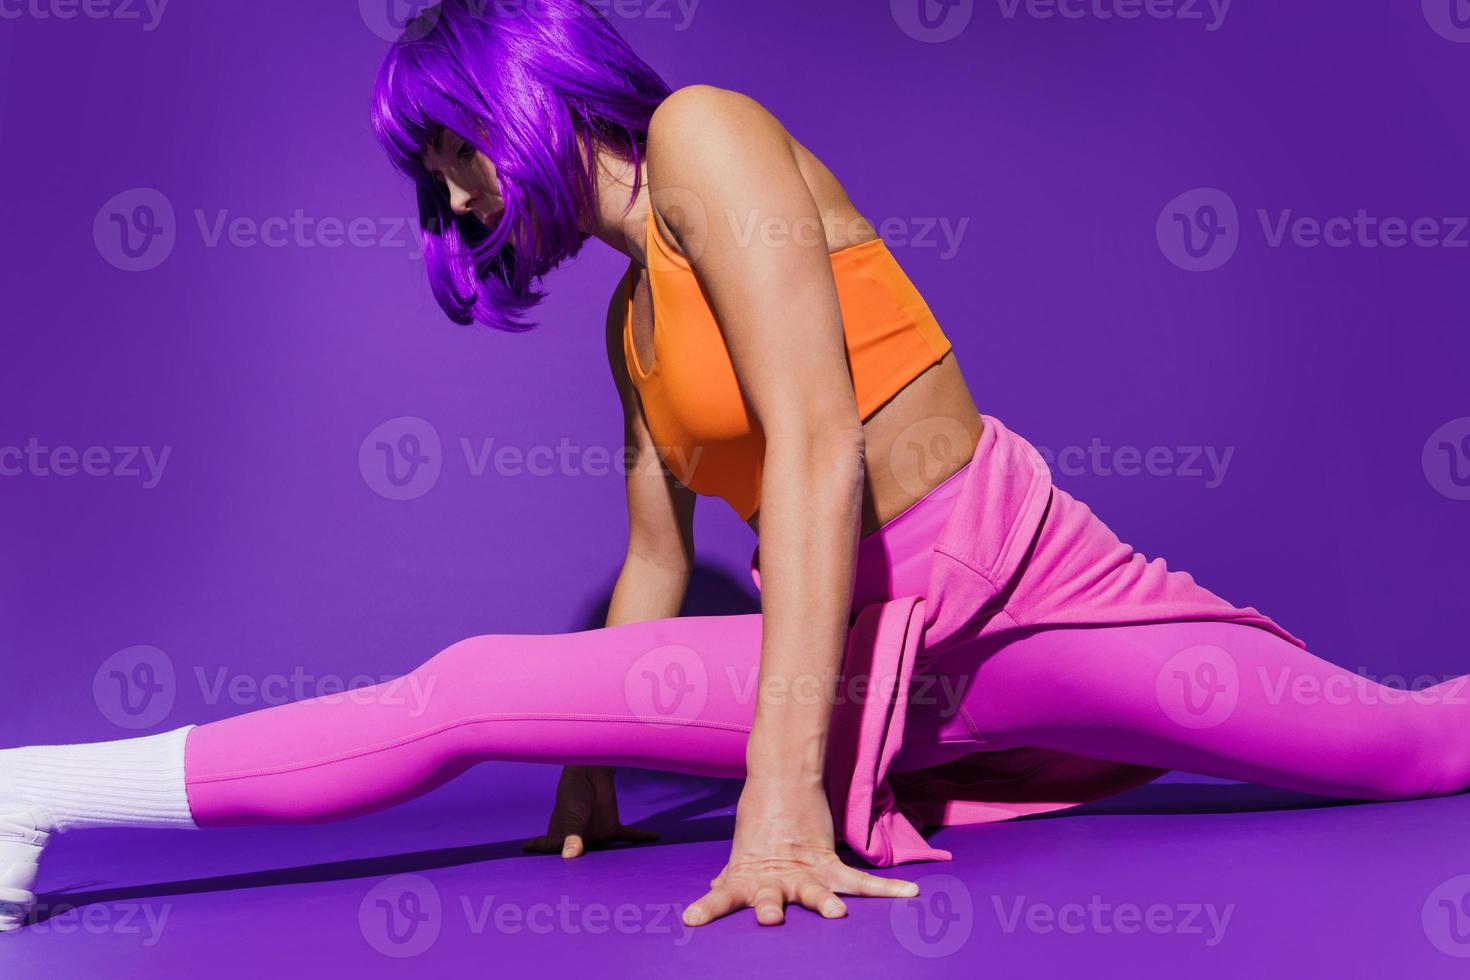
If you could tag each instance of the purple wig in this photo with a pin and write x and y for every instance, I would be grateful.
(534, 85)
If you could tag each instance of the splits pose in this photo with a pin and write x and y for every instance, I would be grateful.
(975, 644)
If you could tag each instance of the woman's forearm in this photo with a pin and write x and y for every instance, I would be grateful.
(648, 589)
(811, 506)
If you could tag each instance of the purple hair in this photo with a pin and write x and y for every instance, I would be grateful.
(534, 85)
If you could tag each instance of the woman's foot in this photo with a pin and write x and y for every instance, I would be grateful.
(24, 832)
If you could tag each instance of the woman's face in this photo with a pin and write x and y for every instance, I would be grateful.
(470, 178)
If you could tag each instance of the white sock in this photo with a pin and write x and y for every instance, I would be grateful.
(132, 782)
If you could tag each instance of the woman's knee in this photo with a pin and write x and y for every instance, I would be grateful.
(1427, 757)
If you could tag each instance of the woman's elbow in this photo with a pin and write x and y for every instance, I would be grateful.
(831, 439)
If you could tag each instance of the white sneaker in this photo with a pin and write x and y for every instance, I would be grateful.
(23, 836)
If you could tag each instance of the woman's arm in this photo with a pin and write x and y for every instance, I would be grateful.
(660, 556)
(652, 585)
(723, 176)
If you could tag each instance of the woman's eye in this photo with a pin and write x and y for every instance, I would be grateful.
(465, 151)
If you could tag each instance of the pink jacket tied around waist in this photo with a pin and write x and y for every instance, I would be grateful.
(1017, 544)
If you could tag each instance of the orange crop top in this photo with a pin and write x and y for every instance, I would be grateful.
(691, 399)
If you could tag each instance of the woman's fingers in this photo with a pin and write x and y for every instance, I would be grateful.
(816, 896)
(851, 881)
(716, 903)
(769, 903)
(815, 890)
(573, 844)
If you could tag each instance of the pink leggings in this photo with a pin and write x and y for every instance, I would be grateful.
(1218, 698)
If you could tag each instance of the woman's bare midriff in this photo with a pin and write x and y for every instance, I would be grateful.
(920, 437)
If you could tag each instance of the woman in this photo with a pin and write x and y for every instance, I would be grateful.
(768, 350)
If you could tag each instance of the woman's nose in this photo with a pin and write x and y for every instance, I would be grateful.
(459, 199)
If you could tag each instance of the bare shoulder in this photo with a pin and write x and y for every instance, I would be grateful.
(705, 126)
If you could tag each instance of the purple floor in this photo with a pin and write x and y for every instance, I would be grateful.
(1202, 877)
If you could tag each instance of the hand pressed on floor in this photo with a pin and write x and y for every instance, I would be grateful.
(585, 815)
(783, 854)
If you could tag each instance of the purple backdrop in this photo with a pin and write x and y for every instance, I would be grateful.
(1210, 257)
